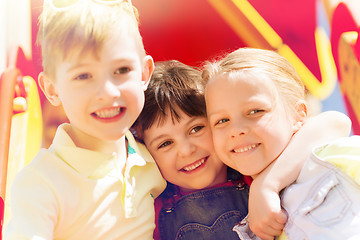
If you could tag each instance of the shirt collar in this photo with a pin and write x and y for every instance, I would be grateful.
(94, 164)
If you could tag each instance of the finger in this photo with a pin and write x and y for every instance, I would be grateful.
(281, 217)
(267, 227)
(265, 236)
(272, 231)
(275, 226)
(267, 231)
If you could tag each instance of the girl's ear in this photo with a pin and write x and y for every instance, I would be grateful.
(147, 70)
(49, 89)
(301, 115)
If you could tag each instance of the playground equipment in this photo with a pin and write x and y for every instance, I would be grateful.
(219, 25)
(20, 125)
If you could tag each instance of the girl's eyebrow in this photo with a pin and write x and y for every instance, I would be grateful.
(213, 114)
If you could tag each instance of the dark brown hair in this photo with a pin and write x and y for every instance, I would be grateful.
(173, 87)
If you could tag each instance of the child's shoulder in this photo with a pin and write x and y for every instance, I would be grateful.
(348, 146)
(39, 171)
(344, 153)
(43, 159)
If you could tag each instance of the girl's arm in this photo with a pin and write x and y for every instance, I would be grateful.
(265, 215)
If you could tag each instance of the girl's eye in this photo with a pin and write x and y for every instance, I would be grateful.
(122, 70)
(255, 111)
(196, 129)
(222, 121)
(165, 144)
(83, 76)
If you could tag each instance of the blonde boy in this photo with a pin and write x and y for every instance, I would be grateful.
(95, 181)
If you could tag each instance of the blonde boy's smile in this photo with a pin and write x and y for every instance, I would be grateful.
(109, 113)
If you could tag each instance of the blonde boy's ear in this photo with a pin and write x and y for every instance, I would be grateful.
(301, 115)
(49, 89)
(148, 68)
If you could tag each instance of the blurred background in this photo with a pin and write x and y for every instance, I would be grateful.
(319, 37)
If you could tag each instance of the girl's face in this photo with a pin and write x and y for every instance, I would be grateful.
(185, 153)
(250, 128)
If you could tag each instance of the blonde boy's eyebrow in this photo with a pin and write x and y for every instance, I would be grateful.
(80, 65)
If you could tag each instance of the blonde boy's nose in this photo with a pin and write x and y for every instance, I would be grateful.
(109, 90)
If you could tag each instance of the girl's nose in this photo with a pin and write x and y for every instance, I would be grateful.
(238, 129)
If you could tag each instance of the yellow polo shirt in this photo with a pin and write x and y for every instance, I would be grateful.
(68, 192)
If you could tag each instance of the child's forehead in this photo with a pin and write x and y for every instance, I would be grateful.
(121, 44)
(175, 115)
(249, 76)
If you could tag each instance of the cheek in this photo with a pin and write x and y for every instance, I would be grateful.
(277, 142)
(206, 141)
(134, 96)
(164, 162)
(167, 169)
(218, 139)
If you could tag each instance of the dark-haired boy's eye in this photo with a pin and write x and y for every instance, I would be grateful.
(196, 129)
(165, 144)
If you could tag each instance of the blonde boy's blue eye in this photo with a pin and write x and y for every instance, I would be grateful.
(83, 76)
(122, 70)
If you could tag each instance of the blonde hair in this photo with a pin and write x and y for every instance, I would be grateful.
(86, 25)
(288, 85)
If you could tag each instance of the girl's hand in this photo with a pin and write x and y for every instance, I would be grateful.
(266, 218)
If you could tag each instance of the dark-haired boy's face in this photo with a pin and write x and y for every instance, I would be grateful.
(184, 152)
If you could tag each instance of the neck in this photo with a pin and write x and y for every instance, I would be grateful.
(83, 140)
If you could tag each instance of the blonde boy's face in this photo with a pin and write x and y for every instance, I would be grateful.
(102, 96)
(250, 129)
(184, 152)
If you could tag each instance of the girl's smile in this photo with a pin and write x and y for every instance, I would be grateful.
(245, 148)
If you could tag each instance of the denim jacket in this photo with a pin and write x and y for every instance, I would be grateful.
(324, 202)
(205, 214)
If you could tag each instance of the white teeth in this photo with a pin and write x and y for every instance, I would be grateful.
(245, 149)
(196, 165)
(108, 113)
